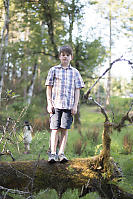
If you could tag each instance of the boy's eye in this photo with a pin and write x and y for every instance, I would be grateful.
(66, 55)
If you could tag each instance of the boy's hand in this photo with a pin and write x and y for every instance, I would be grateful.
(74, 110)
(50, 108)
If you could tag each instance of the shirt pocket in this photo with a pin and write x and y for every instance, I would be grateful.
(58, 80)
(58, 76)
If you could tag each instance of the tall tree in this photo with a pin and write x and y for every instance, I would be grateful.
(4, 43)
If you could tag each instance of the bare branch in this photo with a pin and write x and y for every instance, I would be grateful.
(102, 109)
(111, 64)
(126, 117)
(13, 191)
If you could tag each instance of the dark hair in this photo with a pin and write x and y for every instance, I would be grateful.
(66, 49)
(27, 124)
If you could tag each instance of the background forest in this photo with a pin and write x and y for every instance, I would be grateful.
(31, 34)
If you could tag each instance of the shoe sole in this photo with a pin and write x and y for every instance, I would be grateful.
(63, 160)
(51, 161)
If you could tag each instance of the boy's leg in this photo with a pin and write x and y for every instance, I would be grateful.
(64, 134)
(66, 121)
(55, 120)
(63, 141)
(54, 140)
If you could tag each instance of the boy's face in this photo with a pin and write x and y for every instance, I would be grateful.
(65, 59)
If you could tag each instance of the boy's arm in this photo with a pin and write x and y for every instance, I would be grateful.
(76, 101)
(49, 99)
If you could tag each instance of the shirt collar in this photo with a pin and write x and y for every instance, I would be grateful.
(60, 66)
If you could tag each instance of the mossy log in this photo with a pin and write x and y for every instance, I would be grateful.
(81, 174)
(85, 174)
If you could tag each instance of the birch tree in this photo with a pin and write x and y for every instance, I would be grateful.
(31, 86)
(4, 43)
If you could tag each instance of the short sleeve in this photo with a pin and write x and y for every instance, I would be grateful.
(50, 78)
(78, 80)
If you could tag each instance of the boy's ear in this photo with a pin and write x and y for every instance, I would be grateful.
(72, 57)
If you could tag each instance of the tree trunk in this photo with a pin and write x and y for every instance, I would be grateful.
(110, 54)
(50, 23)
(78, 174)
(85, 174)
(31, 86)
(4, 44)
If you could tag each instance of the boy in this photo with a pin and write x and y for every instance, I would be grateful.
(63, 90)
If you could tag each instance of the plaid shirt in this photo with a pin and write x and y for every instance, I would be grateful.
(64, 82)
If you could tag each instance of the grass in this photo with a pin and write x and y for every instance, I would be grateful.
(82, 146)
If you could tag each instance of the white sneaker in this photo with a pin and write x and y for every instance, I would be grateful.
(62, 158)
(52, 158)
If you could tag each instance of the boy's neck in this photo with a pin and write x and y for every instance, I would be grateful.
(65, 66)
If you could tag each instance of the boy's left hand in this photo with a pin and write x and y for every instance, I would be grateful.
(74, 110)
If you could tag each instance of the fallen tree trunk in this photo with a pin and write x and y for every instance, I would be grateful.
(85, 174)
(81, 174)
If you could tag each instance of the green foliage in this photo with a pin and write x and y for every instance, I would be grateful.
(88, 55)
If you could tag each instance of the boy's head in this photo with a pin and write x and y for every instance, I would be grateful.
(65, 55)
(66, 49)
